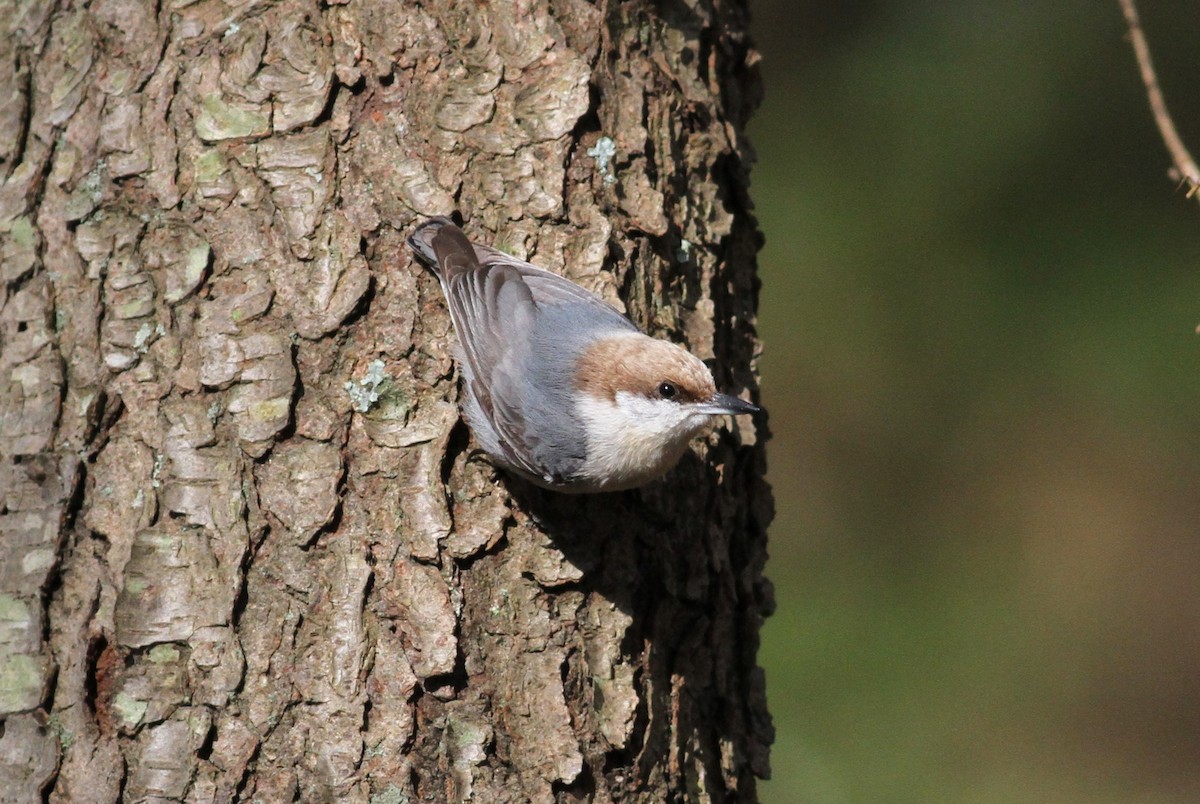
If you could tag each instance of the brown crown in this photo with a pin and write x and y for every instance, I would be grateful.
(639, 364)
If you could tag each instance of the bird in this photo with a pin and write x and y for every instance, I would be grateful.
(559, 387)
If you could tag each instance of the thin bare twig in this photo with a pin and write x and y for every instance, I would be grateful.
(1185, 166)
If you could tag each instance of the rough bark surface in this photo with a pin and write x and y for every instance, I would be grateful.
(246, 551)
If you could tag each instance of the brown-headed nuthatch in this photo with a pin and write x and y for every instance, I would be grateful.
(558, 386)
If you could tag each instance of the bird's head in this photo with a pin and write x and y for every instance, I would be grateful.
(641, 400)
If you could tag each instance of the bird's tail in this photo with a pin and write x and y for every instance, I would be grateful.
(421, 241)
(443, 248)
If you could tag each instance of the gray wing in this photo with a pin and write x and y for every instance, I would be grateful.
(550, 288)
(493, 311)
(445, 249)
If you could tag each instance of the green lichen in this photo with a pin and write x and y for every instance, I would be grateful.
(141, 339)
(66, 737)
(132, 309)
(13, 610)
(129, 709)
(269, 410)
(603, 152)
(22, 233)
(209, 166)
(37, 560)
(390, 795)
(366, 392)
(20, 682)
(196, 262)
(160, 461)
(217, 120)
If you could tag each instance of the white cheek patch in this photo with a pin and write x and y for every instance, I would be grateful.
(634, 437)
(652, 416)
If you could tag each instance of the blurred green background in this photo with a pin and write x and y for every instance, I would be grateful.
(980, 299)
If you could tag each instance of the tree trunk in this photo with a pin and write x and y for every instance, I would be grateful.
(247, 551)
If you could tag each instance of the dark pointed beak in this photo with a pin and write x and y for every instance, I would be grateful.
(719, 404)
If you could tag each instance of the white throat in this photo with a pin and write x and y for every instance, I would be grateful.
(632, 439)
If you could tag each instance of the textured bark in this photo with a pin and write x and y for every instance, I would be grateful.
(246, 550)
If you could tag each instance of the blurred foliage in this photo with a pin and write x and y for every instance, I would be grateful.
(980, 299)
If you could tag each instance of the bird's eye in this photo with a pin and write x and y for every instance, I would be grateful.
(667, 390)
